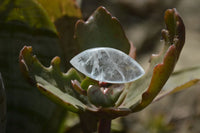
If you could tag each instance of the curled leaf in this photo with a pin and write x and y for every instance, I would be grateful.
(104, 97)
(87, 82)
(76, 85)
(138, 96)
(51, 81)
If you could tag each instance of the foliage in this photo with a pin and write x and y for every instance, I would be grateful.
(161, 66)
(27, 13)
(26, 22)
(48, 26)
(135, 96)
(92, 32)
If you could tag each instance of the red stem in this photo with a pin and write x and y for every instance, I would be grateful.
(104, 126)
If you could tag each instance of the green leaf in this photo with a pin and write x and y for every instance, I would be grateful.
(137, 94)
(24, 13)
(87, 82)
(64, 14)
(24, 22)
(104, 97)
(59, 8)
(101, 30)
(51, 81)
(180, 80)
(2, 106)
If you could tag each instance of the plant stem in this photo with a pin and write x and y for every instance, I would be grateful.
(104, 126)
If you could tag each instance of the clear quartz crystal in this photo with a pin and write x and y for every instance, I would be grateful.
(107, 65)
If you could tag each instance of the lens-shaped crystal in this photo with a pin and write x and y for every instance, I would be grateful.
(107, 65)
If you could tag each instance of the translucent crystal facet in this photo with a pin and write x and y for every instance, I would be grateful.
(107, 65)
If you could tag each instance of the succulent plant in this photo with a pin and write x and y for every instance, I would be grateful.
(99, 100)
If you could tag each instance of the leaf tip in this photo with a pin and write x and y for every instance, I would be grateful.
(55, 61)
(25, 50)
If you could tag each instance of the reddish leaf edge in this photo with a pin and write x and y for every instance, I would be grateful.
(23, 67)
(132, 51)
(162, 71)
(26, 56)
(109, 112)
(79, 23)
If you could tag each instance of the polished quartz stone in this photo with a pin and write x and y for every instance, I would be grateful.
(107, 65)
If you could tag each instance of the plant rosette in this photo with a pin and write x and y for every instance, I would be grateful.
(108, 83)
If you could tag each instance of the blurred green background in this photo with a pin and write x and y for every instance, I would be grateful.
(48, 26)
